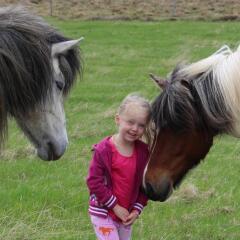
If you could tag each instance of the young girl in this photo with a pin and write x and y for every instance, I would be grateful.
(116, 171)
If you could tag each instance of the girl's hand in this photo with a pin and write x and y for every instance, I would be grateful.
(131, 218)
(121, 212)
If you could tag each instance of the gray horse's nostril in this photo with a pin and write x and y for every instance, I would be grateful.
(50, 151)
(52, 155)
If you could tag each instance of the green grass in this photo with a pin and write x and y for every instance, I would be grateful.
(49, 201)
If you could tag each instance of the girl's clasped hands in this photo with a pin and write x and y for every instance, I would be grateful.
(126, 217)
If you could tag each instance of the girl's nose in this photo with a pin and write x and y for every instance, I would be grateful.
(135, 127)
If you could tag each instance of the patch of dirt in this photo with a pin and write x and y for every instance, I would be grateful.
(134, 9)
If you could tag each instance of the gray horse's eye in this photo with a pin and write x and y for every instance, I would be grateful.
(60, 85)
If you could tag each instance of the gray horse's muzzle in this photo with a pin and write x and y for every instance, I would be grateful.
(52, 151)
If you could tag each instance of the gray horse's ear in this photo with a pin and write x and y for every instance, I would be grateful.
(162, 83)
(63, 47)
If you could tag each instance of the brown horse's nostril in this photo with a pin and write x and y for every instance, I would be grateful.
(159, 193)
(150, 192)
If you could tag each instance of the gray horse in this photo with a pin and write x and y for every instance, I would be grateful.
(38, 67)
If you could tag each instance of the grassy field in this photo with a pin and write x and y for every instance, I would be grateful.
(49, 200)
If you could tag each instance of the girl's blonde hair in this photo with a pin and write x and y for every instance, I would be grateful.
(142, 102)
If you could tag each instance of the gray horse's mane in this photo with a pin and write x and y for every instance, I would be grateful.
(26, 75)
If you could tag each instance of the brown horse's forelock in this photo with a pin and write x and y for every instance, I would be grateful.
(26, 75)
(194, 102)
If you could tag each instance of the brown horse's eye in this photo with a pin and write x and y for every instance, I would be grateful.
(185, 83)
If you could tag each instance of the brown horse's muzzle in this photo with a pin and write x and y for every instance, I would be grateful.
(159, 191)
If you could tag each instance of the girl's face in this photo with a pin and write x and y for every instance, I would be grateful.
(132, 122)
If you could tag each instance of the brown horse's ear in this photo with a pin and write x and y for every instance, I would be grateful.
(162, 83)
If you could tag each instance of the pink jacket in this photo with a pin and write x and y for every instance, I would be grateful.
(100, 183)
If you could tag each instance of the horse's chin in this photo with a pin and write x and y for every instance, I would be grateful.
(48, 157)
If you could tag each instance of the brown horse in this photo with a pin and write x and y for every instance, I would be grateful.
(198, 102)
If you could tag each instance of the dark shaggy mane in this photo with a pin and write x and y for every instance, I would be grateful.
(191, 102)
(25, 62)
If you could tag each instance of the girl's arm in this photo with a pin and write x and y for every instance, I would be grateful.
(141, 202)
(96, 182)
(142, 199)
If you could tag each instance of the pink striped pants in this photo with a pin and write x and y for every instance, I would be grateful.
(108, 229)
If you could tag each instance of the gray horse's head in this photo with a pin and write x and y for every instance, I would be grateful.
(38, 67)
(46, 125)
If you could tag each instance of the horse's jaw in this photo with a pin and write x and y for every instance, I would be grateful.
(53, 143)
(49, 146)
(46, 129)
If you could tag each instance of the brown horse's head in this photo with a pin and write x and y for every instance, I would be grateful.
(188, 113)
(173, 155)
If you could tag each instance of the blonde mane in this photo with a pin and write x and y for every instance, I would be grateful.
(225, 68)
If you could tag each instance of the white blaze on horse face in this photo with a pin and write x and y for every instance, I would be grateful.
(53, 133)
(144, 173)
(55, 138)
(46, 127)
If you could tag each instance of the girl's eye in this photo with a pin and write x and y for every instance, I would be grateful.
(130, 122)
(60, 85)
